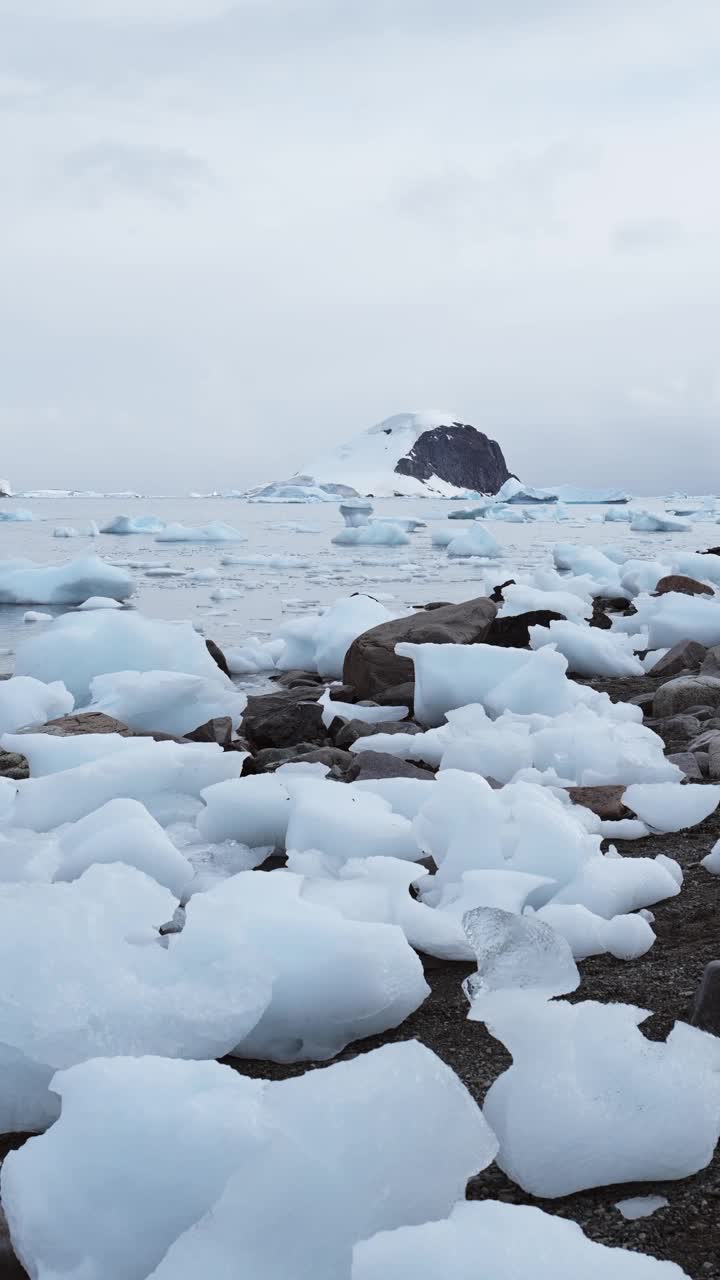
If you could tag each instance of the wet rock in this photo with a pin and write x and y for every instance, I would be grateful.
(380, 764)
(686, 691)
(600, 618)
(399, 695)
(710, 665)
(606, 802)
(342, 693)
(684, 586)
(686, 761)
(271, 758)
(218, 656)
(514, 632)
(686, 655)
(703, 762)
(351, 730)
(497, 591)
(296, 677)
(676, 729)
(711, 551)
(283, 719)
(614, 604)
(706, 1010)
(219, 730)
(13, 766)
(644, 701)
(371, 664)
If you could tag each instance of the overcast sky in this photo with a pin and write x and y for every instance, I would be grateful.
(233, 233)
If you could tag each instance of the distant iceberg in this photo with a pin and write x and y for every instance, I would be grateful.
(216, 531)
(19, 514)
(134, 524)
(300, 488)
(514, 491)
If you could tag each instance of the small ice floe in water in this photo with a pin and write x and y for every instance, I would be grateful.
(95, 602)
(33, 616)
(216, 531)
(356, 512)
(646, 522)
(24, 582)
(368, 535)
(477, 542)
(640, 1206)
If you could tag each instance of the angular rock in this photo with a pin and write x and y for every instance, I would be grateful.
(371, 664)
(613, 604)
(218, 656)
(84, 722)
(714, 759)
(350, 730)
(703, 740)
(644, 701)
(686, 761)
(398, 695)
(497, 592)
(703, 762)
(379, 764)
(676, 729)
(711, 551)
(686, 691)
(686, 655)
(342, 693)
(706, 1012)
(606, 802)
(710, 665)
(600, 618)
(283, 719)
(219, 730)
(514, 632)
(684, 586)
(296, 677)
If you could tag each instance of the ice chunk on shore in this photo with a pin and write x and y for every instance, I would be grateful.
(254, 811)
(376, 533)
(126, 525)
(260, 1160)
(123, 831)
(99, 602)
(320, 642)
(25, 582)
(667, 806)
(354, 711)
(77, 647)
(25, 701)
(674, 617)
(522, 599)
(165, 701)
(347, 823)
(449, 676)
(641, 1206)
(94, 980)
(515, 953)
(624, 936)
(589, 651)
(216, 531)
(513, 1242)
(589, 1101)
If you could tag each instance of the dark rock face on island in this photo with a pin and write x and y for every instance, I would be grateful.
(458, 454)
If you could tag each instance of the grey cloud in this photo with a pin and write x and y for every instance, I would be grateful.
(646, 235)
(106, 169)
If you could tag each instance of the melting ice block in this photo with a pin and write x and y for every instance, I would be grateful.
(373, 534)
(166, 701)
(223, 1176)
(589, 1101)
(216, 531)
(476, 542)
(24, 582)
(320, 642)
(508, 1242)
(589, 651)
(26, 701)
(515, 953)
(667, 806)
(123, 831)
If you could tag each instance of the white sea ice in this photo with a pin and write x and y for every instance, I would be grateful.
(523, 599)
(589, 650)
(509, 1242)
(166, 701)
(320, 642)
(612, 886)
(260, 1160)
(624, 936)
(134, 524)
(65, 531)
(25, 701)
(254, 811)
(674, 617)
(443, 537)
(18, 515)
(123, 831)
(77, 647)
(515, 953)
(376, 533)
(100, 602)
(254, 656)
(216, 531)
(641, 1206)
(589, 1101)
(94, 980)
(24, 582)
(344, 822)
(711, 861)
(666, 806)
(648, 522)
(476, 542)
(354, 711)
(140, 770)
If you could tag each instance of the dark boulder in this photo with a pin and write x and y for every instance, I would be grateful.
(605, 802)
(398, 695)
(13, 766)
(368, 765)
(219, 730)
(686, 655)
(296, 677)
(497, 591)
(458, 454)
(218, 656)
(283, 719)
(271, 758)
(350, 730)
(371, 664)
(514, 632)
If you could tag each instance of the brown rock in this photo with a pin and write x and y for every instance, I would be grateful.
(686, 761)
(380, 764)
(514, 632)
(686, 691)
(684, 586)
(371, 664)
(296, 677)
(606, 802)
(219, 730)
(686, 655)
(351, 730)
(284, 719)
(83, 722)
(399, 695)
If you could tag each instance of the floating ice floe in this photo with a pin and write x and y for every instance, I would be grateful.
(648, 522)
(33, 616)
(216, 531)
(222, 1175)
(24, 582)
(476, 542)
(126, 525)
(99, 602)
(77, 647)
(113, 988)
(589, 1101)
(512, 1241)
(20, 515)
(25, 701)
(376, 533)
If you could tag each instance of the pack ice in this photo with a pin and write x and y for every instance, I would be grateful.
(25, 582)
